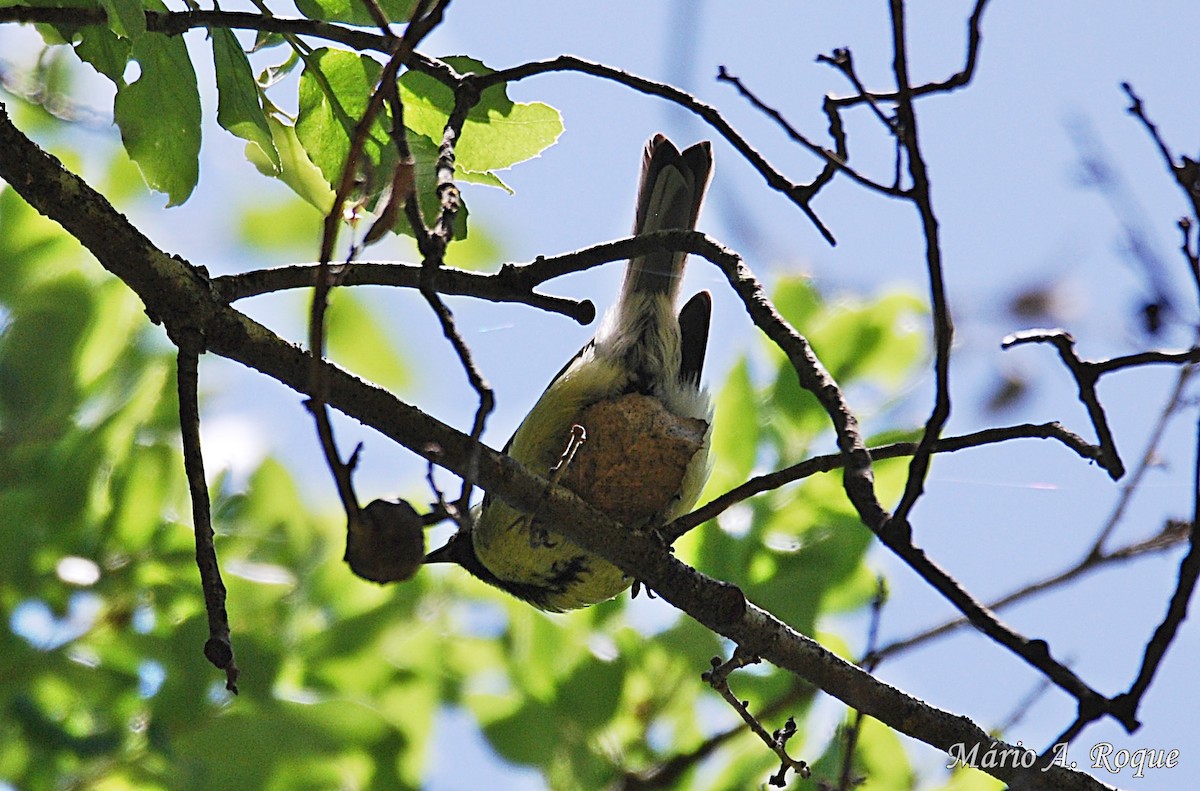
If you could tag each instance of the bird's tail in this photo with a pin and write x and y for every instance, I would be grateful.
(669, 197)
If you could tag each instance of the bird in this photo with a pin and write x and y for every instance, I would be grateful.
(635, 390)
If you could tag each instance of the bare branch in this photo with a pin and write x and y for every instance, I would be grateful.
(1149, 457)
(1169, 537)
(1164, 635)
(799, 194)
(218, 649)
(718, 679)
(1085, 375)
(846, 779)
(943, 325)
(833, 461)
(955, 81)
(495, 288)
(1187, 176)
(834, 160)
(424, 21)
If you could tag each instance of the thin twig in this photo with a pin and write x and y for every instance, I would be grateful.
(718, 679)
(1164, 635)
(466, 96)
(1022, 708)
(1168, 538)
(898, 528)
(667, 773)
(1086, 375)
(799, 194)
(843, 60)
(834, 160)
(955, 81)
(833, 461)
(1149, 457)
(1187, 176)
(424, 20)
(846, 779)
(218, 649)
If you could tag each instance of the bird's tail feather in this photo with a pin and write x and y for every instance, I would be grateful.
(669, 197)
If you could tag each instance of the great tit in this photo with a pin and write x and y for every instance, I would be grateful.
(635, 390)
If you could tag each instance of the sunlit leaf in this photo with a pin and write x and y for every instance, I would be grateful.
(498, 132)
(354, 11)
(295, 168)
(239, 109)
(335, 88)
(159, 116)
(286, 226)
(104, 50)
(735, 430)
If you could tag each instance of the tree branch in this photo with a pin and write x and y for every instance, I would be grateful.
(1086, 375)
(1170, 536)
(799, 194)
(499, 287)
(834, 461)
(943, 325)
(218, 649)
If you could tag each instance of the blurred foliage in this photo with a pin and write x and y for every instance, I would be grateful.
(103, 684)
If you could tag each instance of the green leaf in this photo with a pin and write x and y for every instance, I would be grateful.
(355, 11)
(880, 756)
(815, 545)
(119, 317)
(239, 106)
(141, 494)
(963, 778)
(879, 340)
(498, 133)
(39, 350)
(104, 50)
(295, 169)
(479, 251)
(127, 18)
(32, 247)
(264, 40)
(335, 88)
(593, 692)
(526, 735)
(159, 116)
(797, 301)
